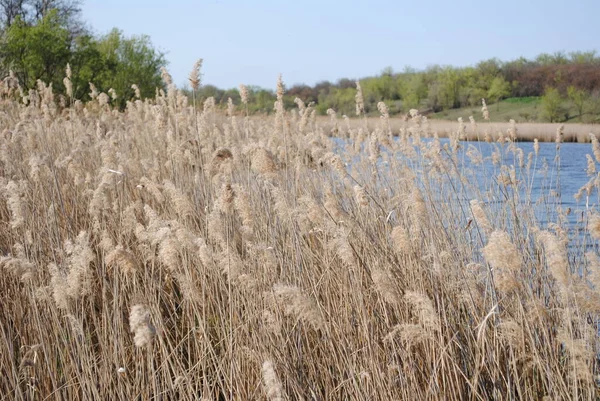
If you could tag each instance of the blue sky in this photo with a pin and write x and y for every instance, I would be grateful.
(251, 42)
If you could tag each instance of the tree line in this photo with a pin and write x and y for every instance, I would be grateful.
(556, 78)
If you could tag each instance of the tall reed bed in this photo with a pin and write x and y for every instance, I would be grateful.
(171, 252)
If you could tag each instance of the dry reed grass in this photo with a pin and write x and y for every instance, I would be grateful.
(169, 253)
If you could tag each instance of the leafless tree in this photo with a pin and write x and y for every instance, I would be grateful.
(34, 10)
(11, 9)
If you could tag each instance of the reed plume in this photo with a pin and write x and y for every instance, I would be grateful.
(194, 76)
(401, 240)
(271, 383)
(13, 193)
(594, 226)
(425, 310)
(140, 326)
(122, 259)
(556, 258)
(359, 100)
(484, 110)
(297, 304)
(244, 94)
(480, 216)
(503, 257)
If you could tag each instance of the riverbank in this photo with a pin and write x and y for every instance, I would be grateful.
(526, 132)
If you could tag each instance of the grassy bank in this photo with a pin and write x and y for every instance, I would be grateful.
(522, 110)
(162, 253)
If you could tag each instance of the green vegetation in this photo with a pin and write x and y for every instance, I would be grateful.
(519, 109)
(526, 109)
(552, 104)
(579, 98)
(38, 45)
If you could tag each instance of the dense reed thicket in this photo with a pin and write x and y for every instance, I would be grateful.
(168, 253)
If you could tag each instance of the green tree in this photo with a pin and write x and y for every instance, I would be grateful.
(579, 98)
(88, 64)
(39, 51)
(261, 100)
(339, 99)
(552, 104)
(434, 97)
(413, 90)
(593, 106)
(498, 90)
(485, 72)
(130, 61)
(450, 82)
(579, 57)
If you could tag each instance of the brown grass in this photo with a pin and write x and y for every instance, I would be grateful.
(167, 253)
(527, 132)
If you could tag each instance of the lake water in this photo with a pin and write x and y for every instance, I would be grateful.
(552, 182)
(571, 167)
(546, 188)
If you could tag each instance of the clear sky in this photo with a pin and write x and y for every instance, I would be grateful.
(251, 42)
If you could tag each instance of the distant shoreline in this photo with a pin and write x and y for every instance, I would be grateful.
(526, 132)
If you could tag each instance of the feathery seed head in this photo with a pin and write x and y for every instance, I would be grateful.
(591, 166)
(384, 283)
(425, 309)
(480, 216)
(123, 259)
(383, 109)
(484, 110)
(263, 162)
(166, 77)
(559, 135)
(93, 91)
(13, 192)
(301, 306)
(103, 99)
(140, 326)
(68, 86)
(194, 77)
(271, 382)
(136, 91)
(361, 196)
(595, 147)
(300, 104)
(230, 108)
(360, 102)
(594, 226)
(244, 93)
(556, 258)
(280, 88)
(401, 240)
(504, 258)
